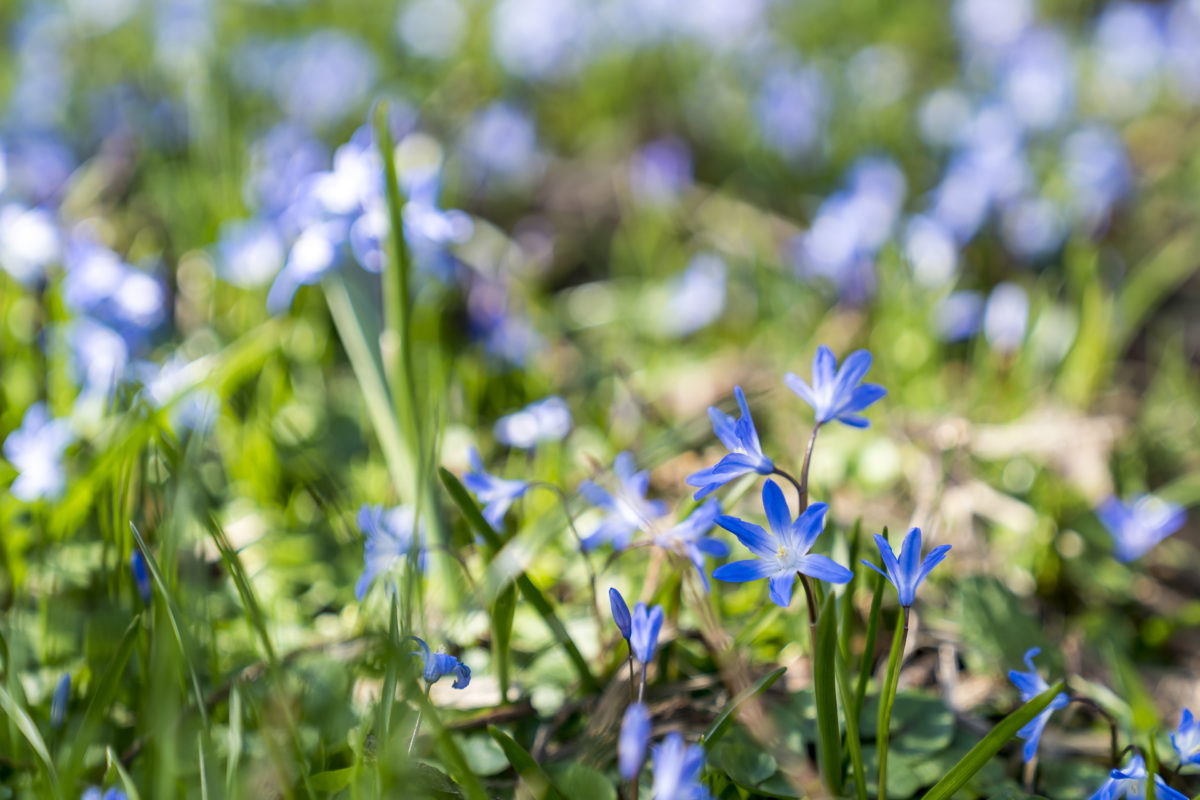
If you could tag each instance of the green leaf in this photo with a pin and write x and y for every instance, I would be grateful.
(745, 762)
(829, 735)
(847, 610)
(529, 591)
(114, 765)
(723, 720)
(987, 748)
(887, 699)
(483, 755)
(502, 622)
(853, 739)
(535, 779)
(333, 780)
(29, 730)
(581, 782)
(872, 636)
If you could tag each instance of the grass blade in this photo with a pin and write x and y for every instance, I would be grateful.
(872, 637)
(502, 621)
(829, 735)
(847, 615)
(532, 775)
(853, 740)
(127, 784)
(887, 698)
(29, 730)
(724, 719)
(987, 748)
(529, 591)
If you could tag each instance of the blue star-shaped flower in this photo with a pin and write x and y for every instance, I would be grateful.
(1031, 684)
(389, 540)
(783, 552)
(677, 768)
(1131, 783)
(836, 393)
(498, 494)
(745, 451)
(438, 665)
(1186, 739)
(628, 509)
(1137, 526)
(689, 537)
(907, 573)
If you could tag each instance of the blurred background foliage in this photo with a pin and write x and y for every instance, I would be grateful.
(631, 204)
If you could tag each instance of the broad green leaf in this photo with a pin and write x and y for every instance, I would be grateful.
(581, 782)
(829, 735)
(744, 761)
(29, 730)
(532, 775)
(484, 755)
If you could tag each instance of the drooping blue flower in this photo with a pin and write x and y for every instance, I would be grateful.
(1031, 684)
(1130, 783)
(36, 450)
(907, 573)
(745, 450)
(784, 551)
(1139, 525)
(547, 420)
(389, 540)
(59, 700)
(1186, 739)
(644, 625)
(627, 508)
(677, 768)
(438, 665)
(141, 578)
(836, 393)
(497, 493)
(631, 746)
(620, 613)
(690, 538)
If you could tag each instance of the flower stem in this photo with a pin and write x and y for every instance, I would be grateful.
(417, 725)
(812, 440)
(642, 685)
(1112, 724)
(632, 680)
(791, 479)
(811, 599)
(587, 559)
(887, 698)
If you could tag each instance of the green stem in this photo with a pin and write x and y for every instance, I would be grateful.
(868, 656)
(853, 740)
(888, 698)
(812, 440)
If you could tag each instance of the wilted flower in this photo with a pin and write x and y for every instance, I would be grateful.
(836, 393)
(547, 420)
(438, 665)
(1136, 527)
(1031, 684)
(59, 701)
(745, 456)
(1186, 739)
(689, 537)
(627, 508)
(784, 551)
(907, 573)
(1130, 783)
(631, 746)
(141, 578)
(643, 631)
(677, 768)
(389, 539)
(497, 493)
(36, 450)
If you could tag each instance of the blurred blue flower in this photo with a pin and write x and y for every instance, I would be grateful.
(931, 250)
(496, 493)
(547, 420)
(745, 456)
(1005, 317)
(1031, 684)
(95, 793)
(1038, 81)
(660, 170)
(784, 551)
(644, 625)
(627, 508)
(677, 768)
(1128, 55)
(540, 39)
(990, 27)
(59, 700)
(1139, 525)
(438, 665)
(791, 108)
(1131, 783)
(907, 573)
(620, 613)
(836, 393)
(1097, 171)
(281, 161)
(141, 578)
(1186, 739)
(29, 242)
(631, 746)
(958, 315)
(177, 384)
(183, 34)
(101, 284)
(36, 450)
(249, 252)
(1033, 227)
(432, 28)
(695, 298)
(316, 251)
(389, 540)
(506, 333)
(1183, 48)
(500, 143)
(690, 538)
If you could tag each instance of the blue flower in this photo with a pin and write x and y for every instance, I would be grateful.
(36, 450)
(677, 768)
(631, 746)
(784, 551)
(141, 578)
(907, 573)
(689, 537)
(1136, 527)
(95, 793)
(438, 665)
(620, 612)
(836, 393)
(745, 451)
(547, 420)
(1186, 739)
(628, 509)
(1031, 685)
(389, 539)
(1131, 783)
(59, 701)
(643, 631)
(497, 493)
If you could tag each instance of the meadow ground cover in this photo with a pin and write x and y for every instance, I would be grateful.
(591, 399)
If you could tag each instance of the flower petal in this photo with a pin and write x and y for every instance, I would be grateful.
(755, 539)
(781, 588)
(779, 516)
(751, 569)
(824, 568)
